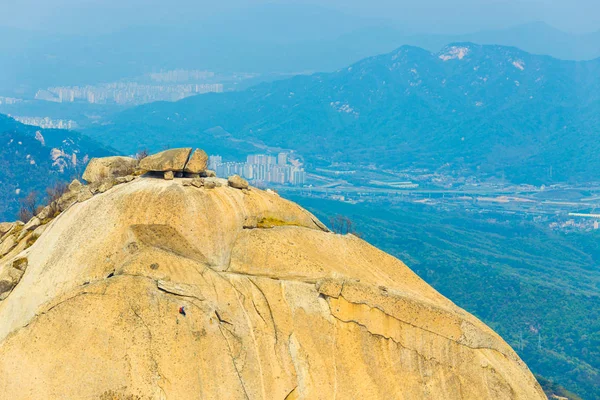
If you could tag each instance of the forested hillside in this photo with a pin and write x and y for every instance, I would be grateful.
(539, 289)
(32, 159)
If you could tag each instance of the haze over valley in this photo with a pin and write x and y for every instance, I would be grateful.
(462, 140)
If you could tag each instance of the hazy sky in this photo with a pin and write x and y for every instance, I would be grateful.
(431, 16)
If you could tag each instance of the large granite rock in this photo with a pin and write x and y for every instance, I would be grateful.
(154, 290)
(168, 160)
(197, 162)
(109, 167)
(236, 181)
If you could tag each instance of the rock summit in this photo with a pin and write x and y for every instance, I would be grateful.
(143, 288)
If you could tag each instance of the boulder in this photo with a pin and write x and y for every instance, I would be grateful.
(237, 182)
(210, 184)
(10, 276)
(32, 224)
(75, 185)
(109, 167)
(105, 185)
(66, 201)
(84, 194)
(198, 182)
(45, 213)
(197, 162)
(5, 227)
(39, 231)
(208, 174)
(168, 160)
(169, 175)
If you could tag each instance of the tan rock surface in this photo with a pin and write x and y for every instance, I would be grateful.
(290, 311)
(236, 181)
(168, 160)
(168, 175)
(197, 162)
(109, 167)
(5, 227)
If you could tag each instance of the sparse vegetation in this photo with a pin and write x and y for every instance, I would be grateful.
(140, 155)
(342, 225)
(29, 205)
(54, 193)
(30, 241)
(32, 204)
(554, 389)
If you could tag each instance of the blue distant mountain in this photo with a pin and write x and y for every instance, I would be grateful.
(267, 39)
(536, 38)
(33, 159)
(490, 110)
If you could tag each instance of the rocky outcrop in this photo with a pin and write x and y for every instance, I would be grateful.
(100, 169)
(167, 290)
(11, 275)
(177, 163)
(5, 227)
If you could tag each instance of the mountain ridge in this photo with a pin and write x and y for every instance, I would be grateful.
(408, 107)
(34, 159)
(286, 46)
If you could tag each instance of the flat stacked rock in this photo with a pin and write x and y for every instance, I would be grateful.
(168, 161)
(177, 162)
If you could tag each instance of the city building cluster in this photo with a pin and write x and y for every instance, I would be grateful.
(262, 168)
(47, 123)
(181, 75)
(9, 100)
(125, 93)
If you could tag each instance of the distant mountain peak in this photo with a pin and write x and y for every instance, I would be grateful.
(454, 52)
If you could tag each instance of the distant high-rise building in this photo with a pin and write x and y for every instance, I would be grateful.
(282, 159)
(214, 161)
(261, 168)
